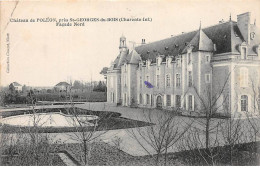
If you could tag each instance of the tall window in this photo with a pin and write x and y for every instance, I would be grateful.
(168, 100)
(168, 81)
(178, 62)
(147, 78)
(207, 78)
(157, 80)
(111, 81)
(189, 58)
(190, 78)
(141, 82)
(243, 53)
(178, 101)
(125, 80)
(147, 99)
(178, 80)
(125, 67)
(151, 100)
(207, 58)
(243, 77)
(140, 99)
(190, 107)
(244, 103)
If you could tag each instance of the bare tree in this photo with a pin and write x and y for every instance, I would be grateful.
(164, 132)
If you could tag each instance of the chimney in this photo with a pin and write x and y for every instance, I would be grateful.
(243, 23)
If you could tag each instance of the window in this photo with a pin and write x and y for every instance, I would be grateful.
(178, 62)
(178, 101)
(125, 80)
(168, 81)
(147, 78)
(243, 77)
(140, 99)
(243, 53)
(168, 100)
(190, 78)
(178, 80)
(125, 67)
(190, 107)
(141, 82)
(151, 100)
(189, 58)
(111, 82)
(207, 78)
(207, 58)
(125, 98)
(244, 103)
(147, 99)
(157, 80)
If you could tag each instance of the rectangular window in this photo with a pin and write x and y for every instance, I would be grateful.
(178, 80)
(244, 103)
(243, 53)
(141, 82)
(168, 81)
(207, 58)
(189, 58)
(125, 80)
(178, 63)
(207, 78)
(111, 82)
(151, 100)
(147, 99)
(168, 100)
(243, 77)
(178, 101)
(157, 80)
(190, 78)
(147, 78)
(190, 107)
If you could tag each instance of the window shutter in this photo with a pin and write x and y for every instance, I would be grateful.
(249, 108)
(193, 103)
(239, 103)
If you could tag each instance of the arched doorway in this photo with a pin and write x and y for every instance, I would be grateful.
(159, 102)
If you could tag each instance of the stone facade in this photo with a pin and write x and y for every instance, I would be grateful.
(220, 63)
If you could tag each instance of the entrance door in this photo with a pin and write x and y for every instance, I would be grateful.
(159, 102)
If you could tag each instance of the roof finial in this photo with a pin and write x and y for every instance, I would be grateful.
(230, 17)
(200, 25)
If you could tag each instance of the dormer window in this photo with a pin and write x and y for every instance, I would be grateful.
(125, 67)
(178, 62)
(168, 62)
(189, 58)
(243, 53)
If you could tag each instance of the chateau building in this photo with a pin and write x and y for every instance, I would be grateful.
(219, 64)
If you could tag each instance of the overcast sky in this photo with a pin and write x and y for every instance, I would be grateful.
(42, 54)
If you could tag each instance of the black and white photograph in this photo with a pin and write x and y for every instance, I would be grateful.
(130, 83)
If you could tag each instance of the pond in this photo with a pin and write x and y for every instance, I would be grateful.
(53, 119)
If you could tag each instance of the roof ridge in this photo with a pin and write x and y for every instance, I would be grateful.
(185, 33)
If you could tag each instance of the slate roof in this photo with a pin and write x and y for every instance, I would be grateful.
(63, 84)
(226, 36)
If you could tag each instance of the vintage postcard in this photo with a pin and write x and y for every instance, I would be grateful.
(130, 83)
